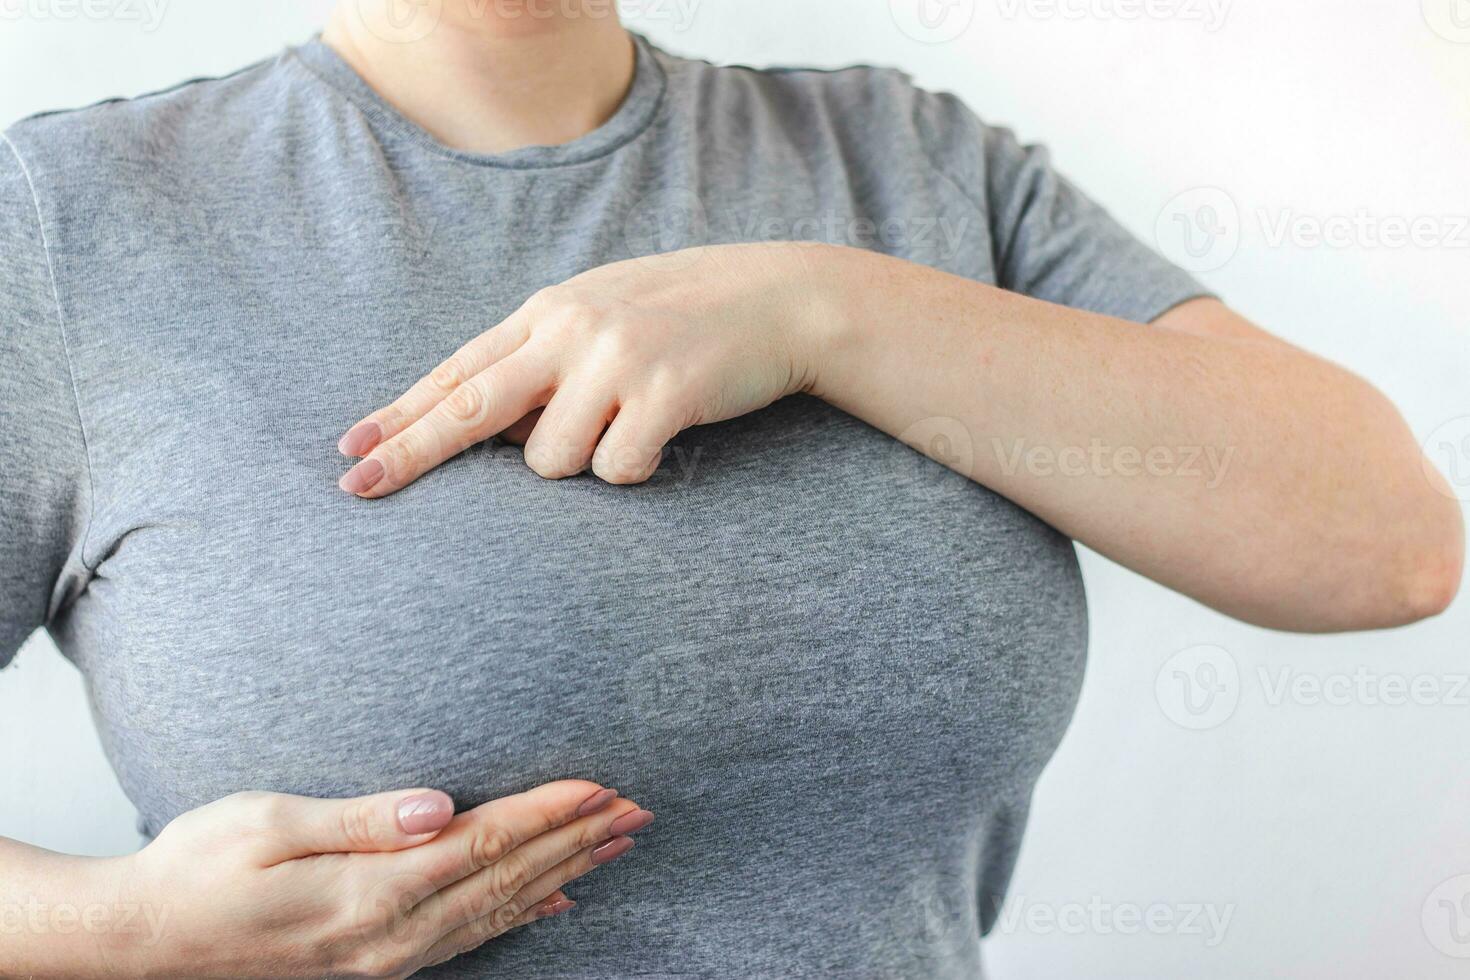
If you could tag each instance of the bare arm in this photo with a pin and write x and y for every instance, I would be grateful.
(267, 885)
(63, 916)
(1203, 453)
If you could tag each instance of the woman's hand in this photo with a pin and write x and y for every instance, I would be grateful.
(1117, 436)
(264, 885)
(622, 358)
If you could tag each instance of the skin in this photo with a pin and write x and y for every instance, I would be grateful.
(1235, 468)
(1205, 454)
(263, 885)
(1319, 512)
(1325, 515)
(524, 72)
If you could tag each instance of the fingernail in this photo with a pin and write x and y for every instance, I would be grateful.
(360, 439)
(547, 909)
(596, 802)
(424, 813)
(611, 850)
(630, 822)
(362, 477)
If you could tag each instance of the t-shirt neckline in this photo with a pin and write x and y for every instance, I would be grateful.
(632, 117)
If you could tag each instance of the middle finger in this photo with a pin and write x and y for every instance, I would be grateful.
(478, 409)
(482, 893)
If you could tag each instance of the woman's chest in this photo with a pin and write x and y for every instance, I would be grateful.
(788, 576)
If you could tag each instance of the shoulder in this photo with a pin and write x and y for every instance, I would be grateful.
(149, 138)
(856, 97)
(869, 105)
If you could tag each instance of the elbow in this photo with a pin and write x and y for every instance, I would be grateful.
(1439, 583)
(1405, 580)
(1419, 575)
(1431, 573)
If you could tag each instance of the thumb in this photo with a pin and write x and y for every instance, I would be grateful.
(301, 826)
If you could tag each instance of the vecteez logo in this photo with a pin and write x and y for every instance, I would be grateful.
(400, 22)
(1200, 229)
(666, 230)
(932, 21)
(1447, 458)
(1446, 917)
(149, 14)
(1211, 14)
(1450, 19)
(1199, 688)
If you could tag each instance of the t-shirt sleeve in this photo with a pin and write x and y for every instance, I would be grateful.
(1048, 239)
(44, 490)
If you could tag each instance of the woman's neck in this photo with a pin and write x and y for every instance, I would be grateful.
(490, 76)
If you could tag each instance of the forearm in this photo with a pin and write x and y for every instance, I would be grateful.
(1256, 478)
(68, 917)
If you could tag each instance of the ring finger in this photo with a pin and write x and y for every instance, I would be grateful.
(504, 888)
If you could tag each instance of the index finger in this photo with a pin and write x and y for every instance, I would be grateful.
(495, 344)
(483, 406)
(478, 838)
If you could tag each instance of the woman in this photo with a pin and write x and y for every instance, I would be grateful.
(727, 299)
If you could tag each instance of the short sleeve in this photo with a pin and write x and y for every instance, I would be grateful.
(1048, 239)
(44, 491)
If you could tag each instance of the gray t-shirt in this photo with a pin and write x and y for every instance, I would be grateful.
(834, 668)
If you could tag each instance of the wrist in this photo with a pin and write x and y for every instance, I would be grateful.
(831, 294)
(116, 923)
(131, 938)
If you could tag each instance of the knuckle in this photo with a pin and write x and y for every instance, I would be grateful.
(245, 799)
(669, 388)
(449, 375)
(615, 345)
(258, 809)
(510, 875)
(469, 403)
(378, 964)
(468, 908)
(542, 461)
(401, 455)
(577, 308)
(503, 919)
(544, 300)
(513, 909)
(483, 928)
(357, 825)
(393, 419)
(620, 464)
(563, 309)
(556, 459)
(489, 844)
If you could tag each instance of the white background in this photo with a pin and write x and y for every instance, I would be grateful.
(1331, 829)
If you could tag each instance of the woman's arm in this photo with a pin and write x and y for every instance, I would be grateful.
(63, 916)
(268, 885)
(1202, 453)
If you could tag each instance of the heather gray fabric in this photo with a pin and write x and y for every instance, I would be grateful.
(833, 668)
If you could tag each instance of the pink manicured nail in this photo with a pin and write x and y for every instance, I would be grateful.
(360, 439)
(547, 909)
(629, 822)
(362, 477)
(425, 813)
(611, 850)
(596, 802)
